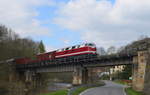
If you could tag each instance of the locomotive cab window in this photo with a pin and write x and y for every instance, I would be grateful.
(73, 47)
(91, 45)
(67, 48)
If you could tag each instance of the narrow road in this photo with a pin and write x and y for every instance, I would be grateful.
(110, 88)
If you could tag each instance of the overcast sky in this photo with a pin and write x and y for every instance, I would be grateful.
(60, 23)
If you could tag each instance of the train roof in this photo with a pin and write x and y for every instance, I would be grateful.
(76, 46)
(70, 47)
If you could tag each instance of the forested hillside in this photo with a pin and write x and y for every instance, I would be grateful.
(13, 46)
(136, 45)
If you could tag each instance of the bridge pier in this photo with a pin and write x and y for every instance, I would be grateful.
(79, 76)
(140, 71)
(82, 75)
(147, 76)
(32, 81)
(91, 75)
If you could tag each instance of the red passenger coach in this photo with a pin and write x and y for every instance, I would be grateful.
(46, 56)
(22, 60)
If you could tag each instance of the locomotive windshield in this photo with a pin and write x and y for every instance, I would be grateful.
(90, 44)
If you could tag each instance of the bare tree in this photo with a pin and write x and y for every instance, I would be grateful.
(111, 50)
(101, 51)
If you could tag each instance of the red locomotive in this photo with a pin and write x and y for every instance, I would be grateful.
(73, 51)
(76, 50)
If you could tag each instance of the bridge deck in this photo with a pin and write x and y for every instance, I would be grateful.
(85, 61)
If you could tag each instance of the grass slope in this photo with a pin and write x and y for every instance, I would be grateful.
(79, 90)
(60, 92)
(130, 91)
(121, 82)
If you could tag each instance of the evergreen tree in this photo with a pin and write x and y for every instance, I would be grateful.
(41, 47)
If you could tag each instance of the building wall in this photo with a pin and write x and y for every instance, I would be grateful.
(115, 69)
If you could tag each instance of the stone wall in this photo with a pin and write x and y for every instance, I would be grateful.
(141, 72)
(147, 77)
(139, 67)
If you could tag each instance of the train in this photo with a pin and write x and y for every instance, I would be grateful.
(87, 49)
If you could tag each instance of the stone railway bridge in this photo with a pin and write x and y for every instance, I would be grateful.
(82, 73)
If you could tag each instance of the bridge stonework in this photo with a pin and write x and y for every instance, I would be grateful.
(82, 75)
(147, 76)
(83, 69)
(141, 71)
(79, 76)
